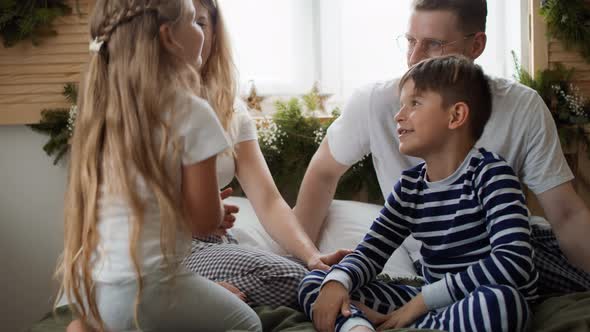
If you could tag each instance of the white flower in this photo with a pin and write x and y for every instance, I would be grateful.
(574, 101)
(564, 18)
(270, 135)
(72, 119)
(318, 135)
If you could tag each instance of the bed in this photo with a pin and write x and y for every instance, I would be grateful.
(346, 224)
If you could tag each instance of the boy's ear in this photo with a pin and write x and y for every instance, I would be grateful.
(458, 115)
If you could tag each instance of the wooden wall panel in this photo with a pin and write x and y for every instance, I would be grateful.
(32, 77)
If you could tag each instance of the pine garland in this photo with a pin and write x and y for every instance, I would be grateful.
(24, 19)
(289, 140)
(569, 21)
(58, 124)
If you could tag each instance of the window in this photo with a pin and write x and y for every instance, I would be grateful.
(285, 46)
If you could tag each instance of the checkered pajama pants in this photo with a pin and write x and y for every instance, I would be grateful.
(265, 278)
(556, 275)
(488, 308)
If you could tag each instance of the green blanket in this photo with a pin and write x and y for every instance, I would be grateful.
(569, 313)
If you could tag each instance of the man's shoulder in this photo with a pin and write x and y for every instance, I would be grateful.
(379, 92)
(507, 88)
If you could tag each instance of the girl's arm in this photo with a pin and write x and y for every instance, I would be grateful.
(274, 213)
(200, 195)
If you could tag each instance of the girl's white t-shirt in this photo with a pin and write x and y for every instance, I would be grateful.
(201, 137)
(242, 129)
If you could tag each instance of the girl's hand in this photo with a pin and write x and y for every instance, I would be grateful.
(228, 213)
(324, 262)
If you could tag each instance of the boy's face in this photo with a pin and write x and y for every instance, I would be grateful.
(422, 122)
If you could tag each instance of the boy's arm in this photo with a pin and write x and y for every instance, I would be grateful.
(387, 233)
(510, 261)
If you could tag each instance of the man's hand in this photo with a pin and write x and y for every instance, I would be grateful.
(332, 300)
(325, 261)
(403, 316)
(228, 213)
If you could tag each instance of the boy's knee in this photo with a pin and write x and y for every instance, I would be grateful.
(504, 304)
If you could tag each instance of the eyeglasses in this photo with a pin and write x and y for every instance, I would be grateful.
(431, 47)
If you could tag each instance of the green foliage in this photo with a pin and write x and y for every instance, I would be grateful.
(288, 142)
(58, 125)
(569, 21)
(24, 19)
(570, 110)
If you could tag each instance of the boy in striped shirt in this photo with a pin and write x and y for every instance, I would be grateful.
(465, 206)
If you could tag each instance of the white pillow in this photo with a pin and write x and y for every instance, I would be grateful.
(346, 225)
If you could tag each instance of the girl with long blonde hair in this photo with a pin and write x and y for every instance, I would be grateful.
(256, 276)
(142, 178)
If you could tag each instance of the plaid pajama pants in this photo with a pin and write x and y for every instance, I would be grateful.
(265, 278)
(556, 275)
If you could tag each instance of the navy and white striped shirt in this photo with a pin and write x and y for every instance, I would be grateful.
(473, 226)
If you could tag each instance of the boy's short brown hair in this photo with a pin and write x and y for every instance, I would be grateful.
(471, 14)
(456, 79)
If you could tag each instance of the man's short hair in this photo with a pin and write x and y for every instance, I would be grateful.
(471, 14)
(456, 79)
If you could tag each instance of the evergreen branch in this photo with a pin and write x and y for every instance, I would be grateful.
(29, 19)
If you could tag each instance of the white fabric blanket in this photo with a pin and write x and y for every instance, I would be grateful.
(345, 227)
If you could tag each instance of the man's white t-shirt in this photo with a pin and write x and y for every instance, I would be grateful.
(201, 137)
(520, 129)
(242, 129)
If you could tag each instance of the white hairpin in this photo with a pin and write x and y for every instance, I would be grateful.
(95, 46)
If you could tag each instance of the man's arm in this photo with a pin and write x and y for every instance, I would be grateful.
(317, 190)
(570, 220)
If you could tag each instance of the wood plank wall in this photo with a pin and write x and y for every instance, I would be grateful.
(32, 77)
(571, 59)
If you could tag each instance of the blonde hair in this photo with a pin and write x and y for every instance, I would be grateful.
(121, 109)
(218, 73)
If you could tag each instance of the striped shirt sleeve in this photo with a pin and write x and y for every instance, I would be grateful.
(386, 234)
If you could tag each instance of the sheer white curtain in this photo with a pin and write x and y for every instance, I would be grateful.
(273, 43)
(284, 46)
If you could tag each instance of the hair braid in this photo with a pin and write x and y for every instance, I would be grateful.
(122, 16)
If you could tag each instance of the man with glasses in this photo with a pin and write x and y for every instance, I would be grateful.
(521, 129)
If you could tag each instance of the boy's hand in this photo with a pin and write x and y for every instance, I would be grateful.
(332, 300)
(405, 315)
